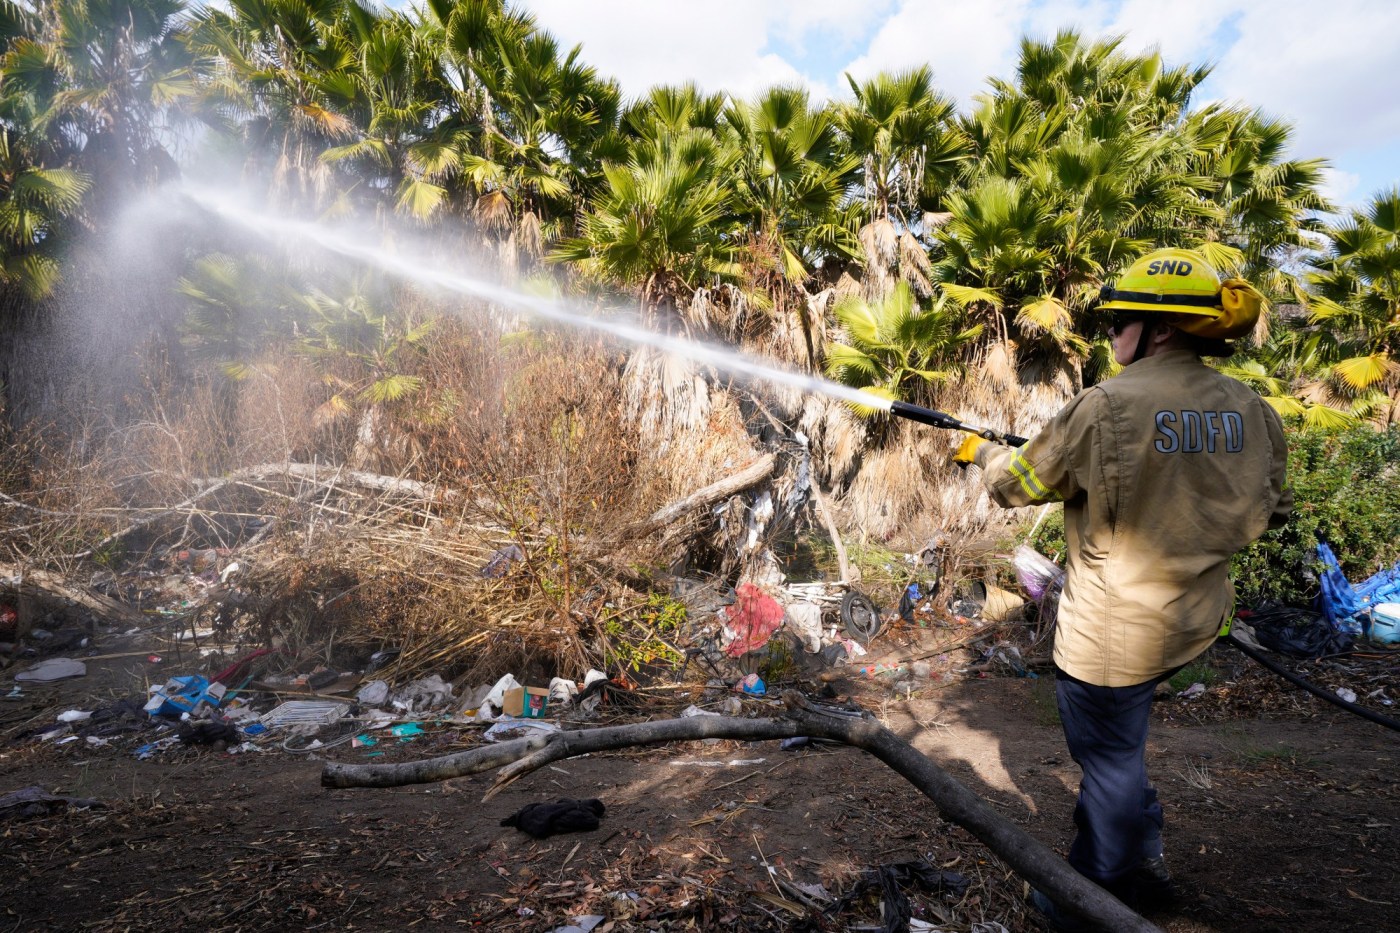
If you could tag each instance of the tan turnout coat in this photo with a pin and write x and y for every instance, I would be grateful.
(1166, 470)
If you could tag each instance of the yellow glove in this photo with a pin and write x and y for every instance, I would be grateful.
(967, 450)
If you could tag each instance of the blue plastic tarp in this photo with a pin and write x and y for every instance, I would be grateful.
(1340, 604)
(1380, 587)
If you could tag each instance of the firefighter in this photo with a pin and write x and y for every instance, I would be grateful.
(1165, 471)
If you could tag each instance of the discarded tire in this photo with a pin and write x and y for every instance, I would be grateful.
(859, 616)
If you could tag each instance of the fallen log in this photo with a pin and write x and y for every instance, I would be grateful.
(48, 585)
(1033, 861)
(751, 475)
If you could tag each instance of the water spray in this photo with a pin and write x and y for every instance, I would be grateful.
(427, 274)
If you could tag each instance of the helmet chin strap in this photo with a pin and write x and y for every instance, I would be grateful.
(1144, 338)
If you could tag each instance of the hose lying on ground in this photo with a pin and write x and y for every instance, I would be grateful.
(1312, 688)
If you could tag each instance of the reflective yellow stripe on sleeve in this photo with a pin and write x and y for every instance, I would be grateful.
(1031, 483)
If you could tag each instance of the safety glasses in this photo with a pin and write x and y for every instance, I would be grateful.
(1121, 320)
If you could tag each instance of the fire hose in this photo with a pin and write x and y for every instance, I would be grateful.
(938, 419)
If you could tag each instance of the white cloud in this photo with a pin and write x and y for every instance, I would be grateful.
(1328, 70)
(1340, 187)
(719, 44)
(962, 42)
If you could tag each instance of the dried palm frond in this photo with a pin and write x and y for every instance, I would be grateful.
(493, 210)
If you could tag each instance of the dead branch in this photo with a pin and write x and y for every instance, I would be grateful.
(751, 475)
(326, 476)
(31, 582)
(1029, 858)
(848, 574)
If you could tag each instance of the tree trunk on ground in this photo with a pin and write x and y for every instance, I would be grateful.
(751, 475)
(1032, 860)
(42, 584)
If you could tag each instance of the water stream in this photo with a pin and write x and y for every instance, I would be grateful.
(345, 243)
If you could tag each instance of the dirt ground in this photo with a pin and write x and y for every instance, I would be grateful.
(1281, 817)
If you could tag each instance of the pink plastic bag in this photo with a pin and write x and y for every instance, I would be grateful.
(753, 618)
(1036, 573)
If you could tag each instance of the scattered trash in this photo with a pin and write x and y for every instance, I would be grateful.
(322, 678)
(1298, 633)
(374, 693)
(799, 741)
(752, 620)
(731, 763)
(753, 685)
(500, 561)
(363, 741)
(53, 669)
(182, 695)
(35, 801)
(382, 659)
(1346, 693)
(580, 924)
(154, 658)
(875, 670)
(491, 705)
(1192, 691)
(507, 729)
(256, 728)
(693, 710)
(566, 815)
(15, 693)
(891, 880)
(1037, 574)
(208, 732)
(422, 694)
(149, 749)
(562, 690)
(804, 620)
(406, 731)
(305, 713)
(75, 715)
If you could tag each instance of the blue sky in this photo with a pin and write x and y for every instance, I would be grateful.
(1328, 68)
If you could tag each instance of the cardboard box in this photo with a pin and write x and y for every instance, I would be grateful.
(536, 699)
(525, 702)
(183, 694)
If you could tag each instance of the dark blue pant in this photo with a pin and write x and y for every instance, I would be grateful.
(1118, 816)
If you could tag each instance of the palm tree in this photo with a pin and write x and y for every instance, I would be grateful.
(1354, 305)
(662, 225)
(910, 150)
(791, 181)
(279, 71)
(36, 204)
(110, 80)
(895, 348)
(791, 195)
(364, 352)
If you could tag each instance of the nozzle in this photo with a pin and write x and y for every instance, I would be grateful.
(940, 419)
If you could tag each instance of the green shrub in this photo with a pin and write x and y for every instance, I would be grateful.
(1346, 491)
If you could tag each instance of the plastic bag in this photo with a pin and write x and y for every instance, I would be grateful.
(1297, 633)
(1036, 573)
